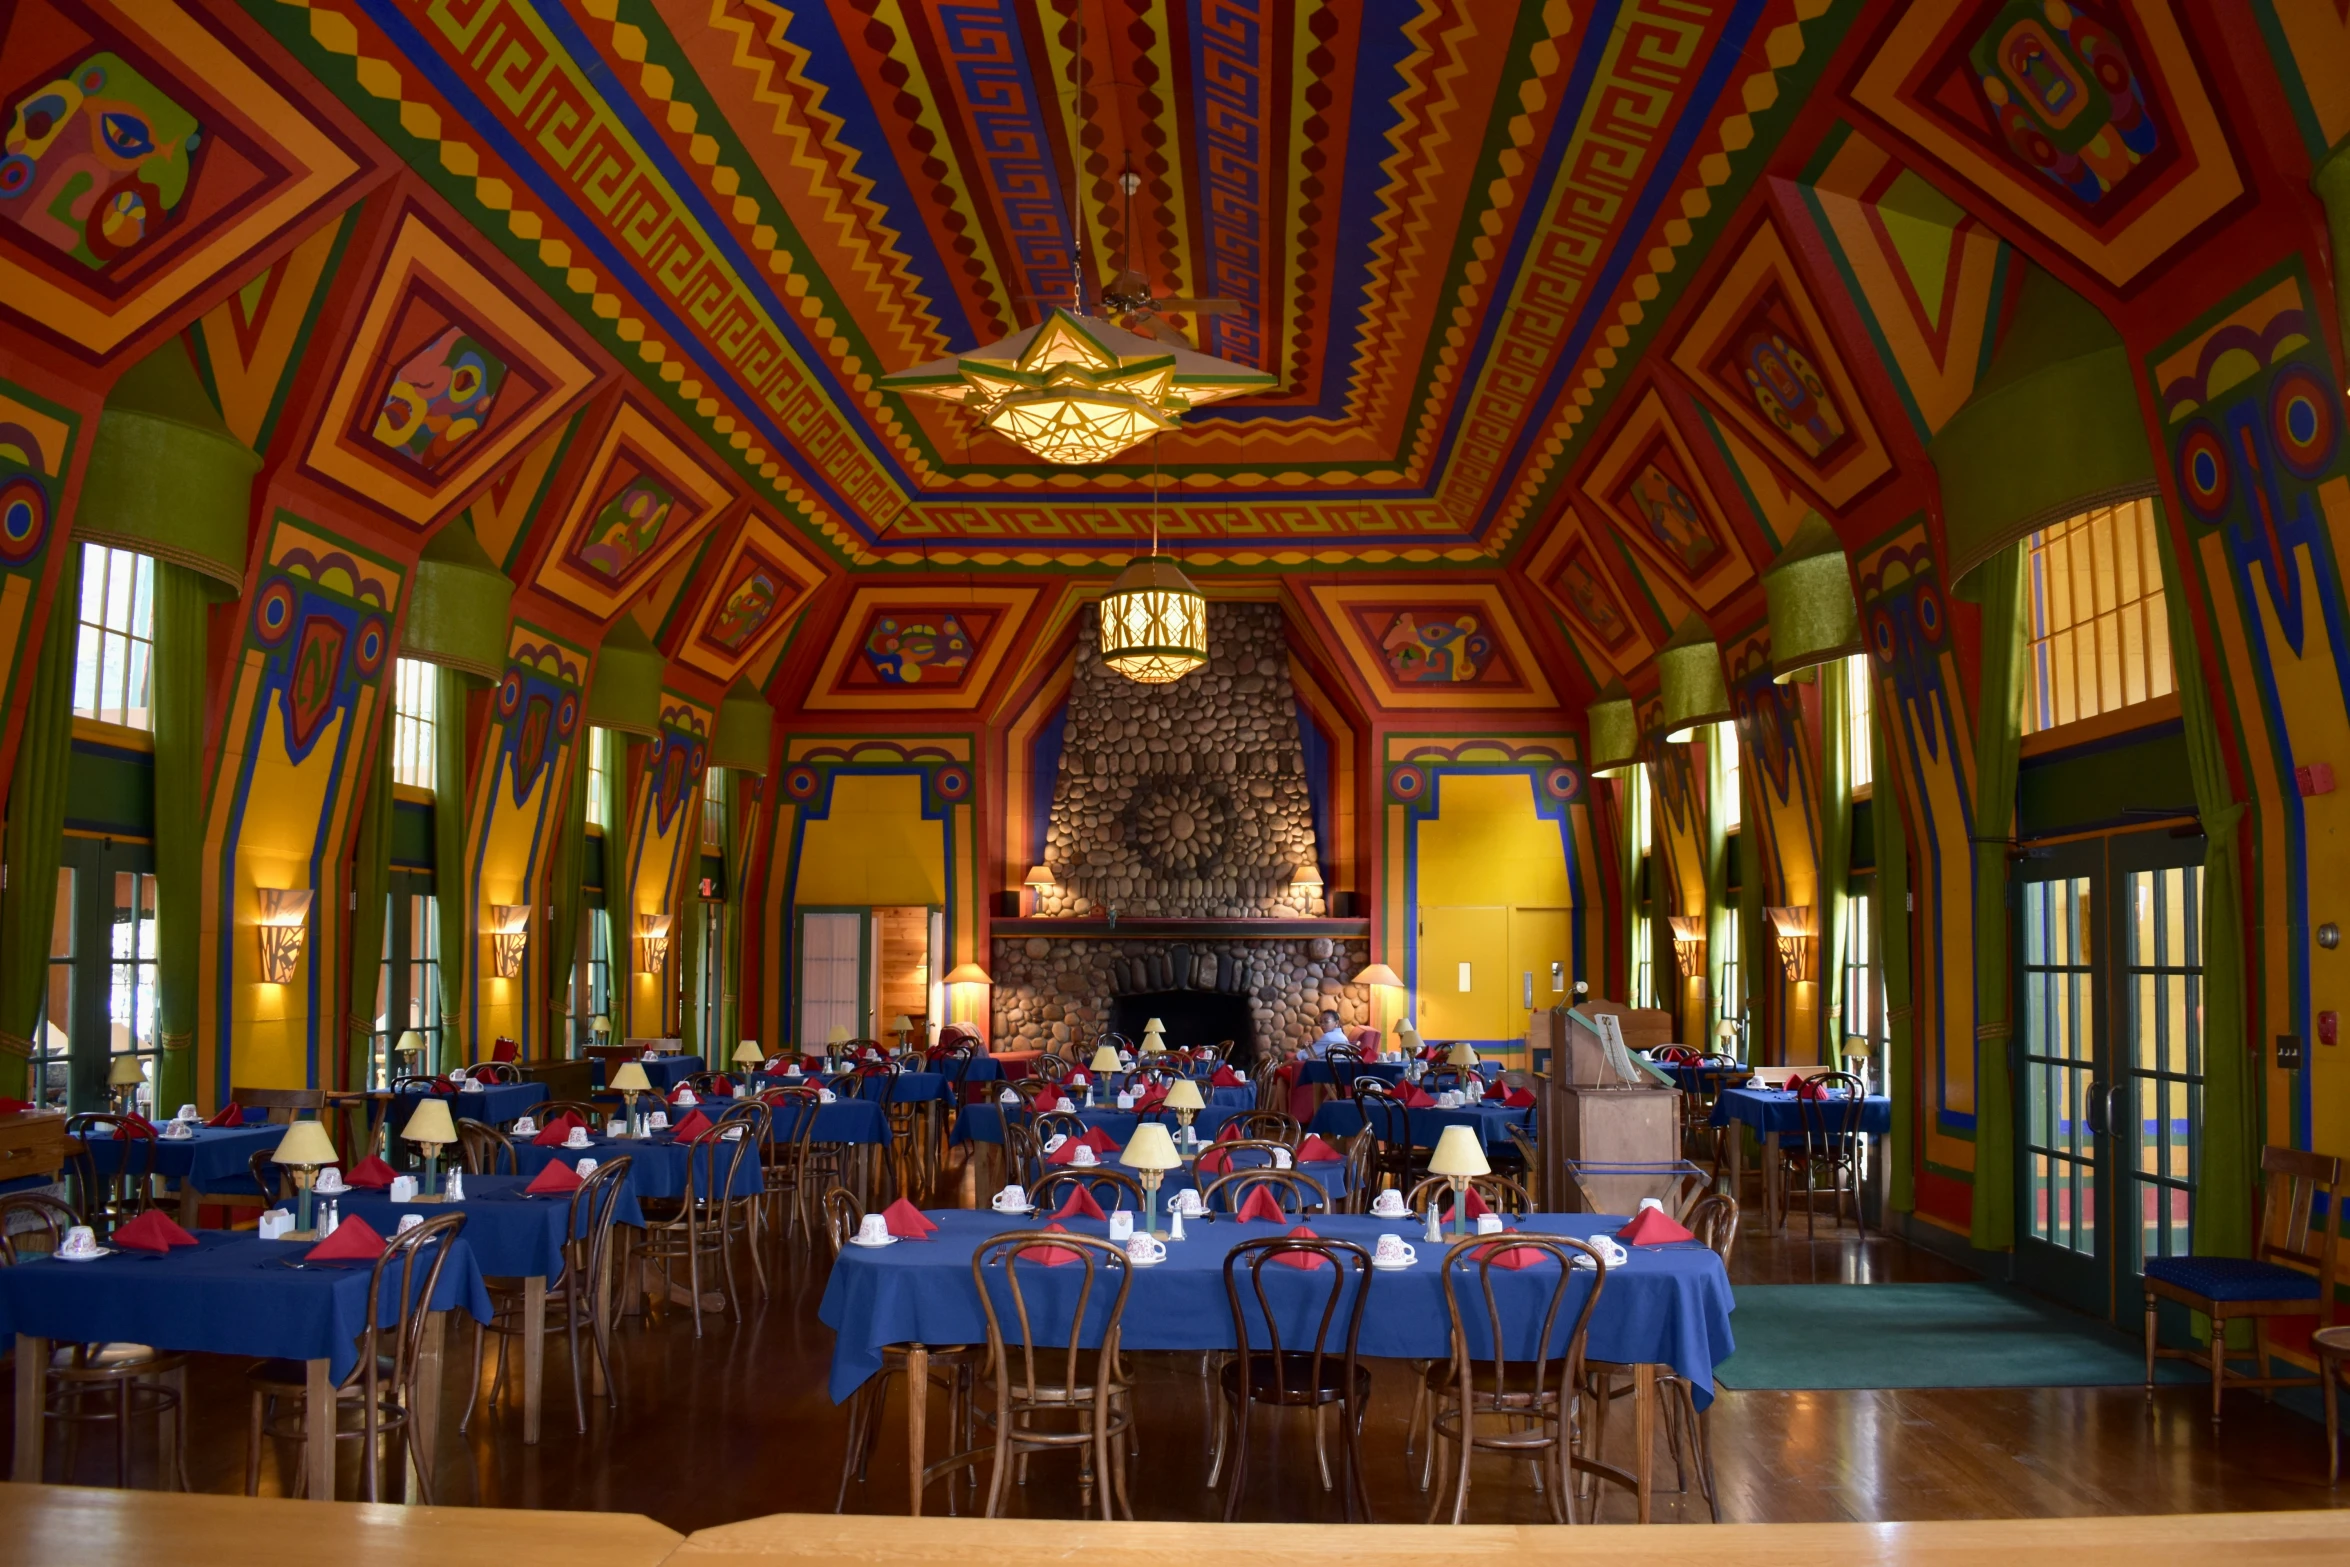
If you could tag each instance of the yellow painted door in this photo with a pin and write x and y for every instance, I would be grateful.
(1464, 988)
(1538, 948)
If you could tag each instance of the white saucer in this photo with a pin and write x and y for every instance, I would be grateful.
(1028, 1212)
(87, 1256)
(1132, 1263)
(1405, 1214)
(886, 1240)
(1392, 1267)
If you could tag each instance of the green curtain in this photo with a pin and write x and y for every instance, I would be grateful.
(452, 889)
(2224, 1203)
(1892, 916)
(371, 884)
(563, 919)
(1999, 730)
(182, 608)
(1835, 841)
(35, 836)
(1718, 739)
(619, 883)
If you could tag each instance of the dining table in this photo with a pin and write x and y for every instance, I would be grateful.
(229, 1294)
(1667, 1307)
(1342, 1118)
(493, 1103)
(216, 1159)
(514, 1234)
(659, 1168)
(1776, 1114)
(984, 1123)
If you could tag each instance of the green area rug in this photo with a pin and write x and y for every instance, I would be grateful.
(1925, 1335)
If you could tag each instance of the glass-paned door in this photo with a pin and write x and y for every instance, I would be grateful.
(2059, 1054)
(99, 1007)
(2161, 922)
(832, 975)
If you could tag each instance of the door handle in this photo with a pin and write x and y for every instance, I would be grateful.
(2112, 1124)
(2099, 1109)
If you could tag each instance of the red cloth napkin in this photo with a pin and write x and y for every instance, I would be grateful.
(1315, 1151)
(722, 1087)
(1230, 1133)
(1503, 1256)
(352, 1238)
(1214, 1162)
(1150, 1100)
(369, 1172)
(1051, 1256)
(444, 1085)
(1048, 1101)
(1261, 1207)
(1227, 1078)
(694, 1125)
(230, 1115)
(505, 1050)
(134, 1119)
(1432, 1052)
(1300, 1259)
(1080, 1206)
(907, 1222)
(558, 1131)
(1414, 1097)
(1653, 1227)
(1477, 1208)
(1067, 1152)
(1520, 1099)
(152, 1231)
(10, 1106)
(556, 1177)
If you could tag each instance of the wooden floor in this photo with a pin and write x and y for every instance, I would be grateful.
(737, 1425)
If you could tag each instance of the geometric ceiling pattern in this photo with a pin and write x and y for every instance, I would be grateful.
(1446, 228)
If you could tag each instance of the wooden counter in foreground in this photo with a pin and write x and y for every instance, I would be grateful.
(67, 1526)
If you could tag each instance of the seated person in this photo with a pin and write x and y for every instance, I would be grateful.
(1332, 1034)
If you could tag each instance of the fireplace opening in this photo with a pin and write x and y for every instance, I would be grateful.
(1192, 1018)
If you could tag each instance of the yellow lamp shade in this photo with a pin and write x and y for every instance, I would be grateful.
(1379, 974)
(1184, 1095)
(307, 1144)
(838, 1036)
(430, 1123)
(631, 1078)
(412, 1043)
(1458, 1153)
(601, 1024)
(748, 1053)
(1154, 1026)
(1151, 1148)
(1461, 1056)
(126, 1072)
(901, 1024)
(1409, 1038)
(1105, 1059)
(1725, 1029)
(1038, 876)
(968, 974)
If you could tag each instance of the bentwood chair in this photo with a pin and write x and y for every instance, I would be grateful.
(794, 1168)
(1526, 1386)
(495, 1072)
(1051, 1394)
(1499, 1193)
(109, 1199)
(1290, 1372)
(1109, 1189)
(374, 1402)
(2290, 1273)
(1273, 1126)
(1385, 1117)
(1362, 1157)
(746, 1215)
(1053, 1067)
(706, 1085)
(592, 1116)
(96, 1383)
(485, 1150)
(576, 1301)
(1529, 1158)
(1297, 1194)
(695, 1228)
(1830, 1147)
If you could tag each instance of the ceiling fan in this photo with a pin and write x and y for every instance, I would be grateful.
(1128, 300)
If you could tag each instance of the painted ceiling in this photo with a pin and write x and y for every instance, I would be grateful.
(1445, 226)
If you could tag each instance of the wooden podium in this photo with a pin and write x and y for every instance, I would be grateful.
(1591, 1113)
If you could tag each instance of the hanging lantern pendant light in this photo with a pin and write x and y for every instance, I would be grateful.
(1154, 623)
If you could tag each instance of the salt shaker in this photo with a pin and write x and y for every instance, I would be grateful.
(1174, 1223)
(1435, 1231)
(330, 1214)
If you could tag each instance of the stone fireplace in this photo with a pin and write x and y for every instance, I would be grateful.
(1180, 820)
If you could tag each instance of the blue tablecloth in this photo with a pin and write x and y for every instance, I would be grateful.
(496, 1104)
(216, 1158)
(228, 1295)
(1340, 1118)
(1669, 1305)
(981, 1122)
(659, 1171)
(1694, 1079)
(1774, 1110)
(904, 1088)
(842, 1121)
(666, 1072)
(1329, 1174)
(1343, 1073)
(514, 1235)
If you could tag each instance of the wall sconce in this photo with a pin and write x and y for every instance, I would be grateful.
(652, 934)
(284, 924)
(1689, 944)
(1793, 928)
(509, 933)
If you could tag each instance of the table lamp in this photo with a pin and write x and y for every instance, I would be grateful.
(748, 1056)
(1152, 1152)
(431, 1130)
(601, 1027)
(1463, 1057)
(125, 1078)
(303, 1149)
(1407, 1038)
(1183, 1098)
(833, 1041)
(1105, 1057)
(1458, 1156)
(1726, 1032)
(411, 1045)
(629, 1082)
(903, 1026)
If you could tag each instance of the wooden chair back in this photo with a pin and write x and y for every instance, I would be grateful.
(1499, 1193)
(1713, 1219)
(34, 1213)
(593, 1116)
(483, 1149)
(842, 1216)
(1110, 1189)
(284, 1105)
(1297, 1193)
(1241, 1153)
(2292, 1180)
(1033, 1347)
(1272, 1126)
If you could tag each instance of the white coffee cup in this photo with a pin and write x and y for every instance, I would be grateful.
(187, 1113)
(1055, 1143)
(525, 1126)
(1389, 1204)
(1145, 1250)
(1122, 1226)
(1280, 1158)
(1012, 1199)
(328, 1181)
(1085, 1156)
(1010, 1096)
(873, 1229)
(408, 1221)
(1392, 1249)
(685, 1096)
(80, 1241)
(825, 1096)
(658, 1120)
(1188, 1203)
(1489, 1224)
(578, 1138)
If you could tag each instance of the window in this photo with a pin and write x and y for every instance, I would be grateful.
(2098, 623)
(130, 974)
(1859, 695)
(710, 984)
(713, 815)
(408, 991)
(117, 640)
(415, 704)
(832, 976)
(597, 739)
(2162, 976)
(1733, 992)
(1635, 811)
(52, 1035)
(599, 971)
(1726, 771)
(1862, 995)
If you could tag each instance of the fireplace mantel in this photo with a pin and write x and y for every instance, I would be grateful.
(1143, 928)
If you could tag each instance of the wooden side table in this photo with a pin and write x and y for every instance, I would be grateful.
(2333, 1354)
